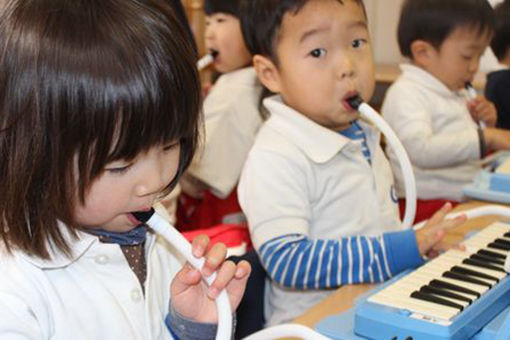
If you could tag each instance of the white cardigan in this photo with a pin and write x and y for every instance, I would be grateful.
(93, 295)
(437, 132)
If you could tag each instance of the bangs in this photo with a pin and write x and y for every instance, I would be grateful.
(137, 101)
(221, 6)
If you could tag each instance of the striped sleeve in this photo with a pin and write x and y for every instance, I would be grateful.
(294, 261)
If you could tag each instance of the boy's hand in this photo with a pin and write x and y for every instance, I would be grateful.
(483, 110)
(192, 298)
(430, 236)
(497, 139)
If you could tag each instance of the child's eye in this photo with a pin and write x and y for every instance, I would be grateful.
(467, 57)
(118, 170)
(357, 43)
(318, 53)
(171, 146)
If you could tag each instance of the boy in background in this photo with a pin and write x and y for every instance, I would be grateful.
(497, 89)
(316, 187)
(428, 106)
(232, 119)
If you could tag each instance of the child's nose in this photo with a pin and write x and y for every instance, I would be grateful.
(345, 67)
(209, 32)
(153, 179)
(473, 65)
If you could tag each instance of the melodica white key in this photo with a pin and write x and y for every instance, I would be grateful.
(448, 284)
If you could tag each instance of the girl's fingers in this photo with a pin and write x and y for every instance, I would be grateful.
(224, 275)
(214, 258)
(199, 245)
(186, 277)
(243, 269)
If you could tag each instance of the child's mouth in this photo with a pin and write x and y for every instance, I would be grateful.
(214, 53)
(349, 101)
(133, 219)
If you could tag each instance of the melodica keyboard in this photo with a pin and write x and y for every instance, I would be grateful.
(451, 297)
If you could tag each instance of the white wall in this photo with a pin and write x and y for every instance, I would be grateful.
(383, 19)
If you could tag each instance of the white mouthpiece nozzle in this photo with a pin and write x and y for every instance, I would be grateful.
(471, 90)
(206, 60)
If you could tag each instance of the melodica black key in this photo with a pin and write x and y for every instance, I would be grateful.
(499, 246)
(466, 271)
(435, 299)
(466, 278)
(446, 293)
(483, 265)
(487, 259)
(491, 254)
(507, 234)
(502, 242)
(450, 286)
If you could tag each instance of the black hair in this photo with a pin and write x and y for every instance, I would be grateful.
(500, 43)
(261, 21)
(222, 6)
(434, 20)
(84, 83)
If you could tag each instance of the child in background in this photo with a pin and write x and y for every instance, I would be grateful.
(232, 119)
(99, 109)
(428, 106)
(498, 82)
(316, 188)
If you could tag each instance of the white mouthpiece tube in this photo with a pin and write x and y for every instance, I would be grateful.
(205, 61)
(165, 229)
(492, 209)
(286, 330)
(407, 170)
(472, 95)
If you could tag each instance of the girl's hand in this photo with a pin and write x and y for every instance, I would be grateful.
(430, 237)
(483, 110)
(192, 298)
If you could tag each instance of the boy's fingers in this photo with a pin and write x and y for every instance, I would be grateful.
(199, 245)
(454, 222)
(214, 258)
(440, 214)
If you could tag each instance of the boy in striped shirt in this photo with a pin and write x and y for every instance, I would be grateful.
(317, 189)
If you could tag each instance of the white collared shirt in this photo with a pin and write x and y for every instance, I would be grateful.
(232, 119)
(302, 178)
(92, 295)
(437, 131)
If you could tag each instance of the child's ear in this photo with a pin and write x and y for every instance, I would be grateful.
(267, 73)
(422, 52)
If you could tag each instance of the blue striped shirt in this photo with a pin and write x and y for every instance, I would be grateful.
(355, 132)
(294, 261)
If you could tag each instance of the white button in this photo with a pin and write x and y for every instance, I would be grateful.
(101, 259)
(135, 295)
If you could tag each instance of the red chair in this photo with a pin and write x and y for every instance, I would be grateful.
(424, 208)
